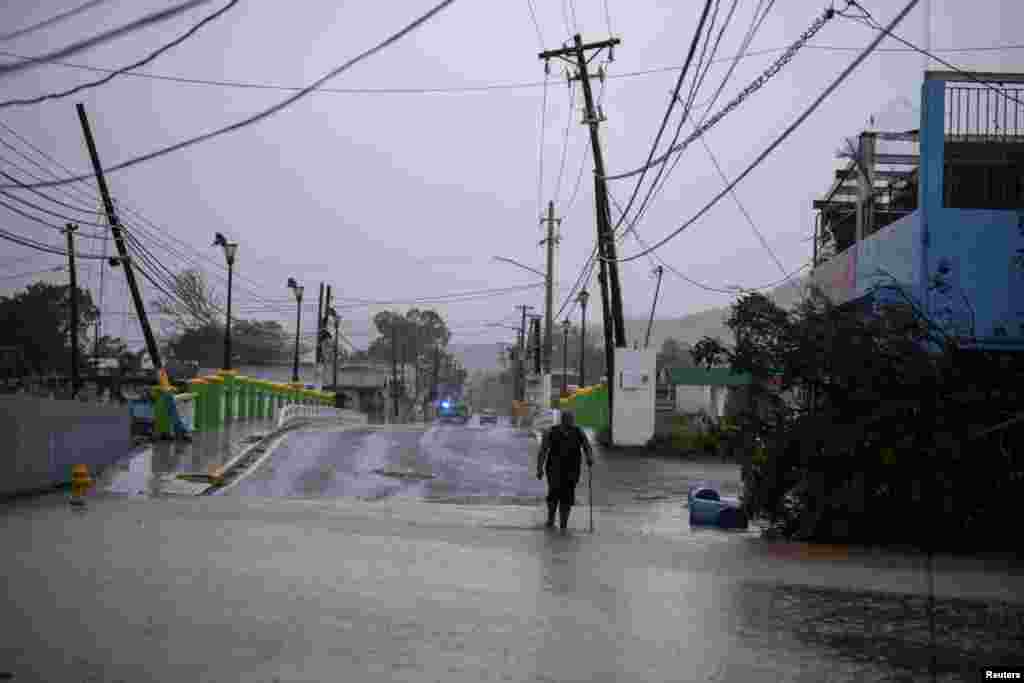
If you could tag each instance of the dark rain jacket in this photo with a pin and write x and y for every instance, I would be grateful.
(561, 454)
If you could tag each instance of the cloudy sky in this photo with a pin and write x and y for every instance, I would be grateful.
(394, 196)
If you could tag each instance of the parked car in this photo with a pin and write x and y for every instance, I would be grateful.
(708, 506)
(488, 417)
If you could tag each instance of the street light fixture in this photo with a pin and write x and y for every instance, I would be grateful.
(521, 265)
(297, 291)
(230, 249)
(583, 297)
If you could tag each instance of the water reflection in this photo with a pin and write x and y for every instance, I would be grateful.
(880, 636)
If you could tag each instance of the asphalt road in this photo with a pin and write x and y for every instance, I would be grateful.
(463, 464)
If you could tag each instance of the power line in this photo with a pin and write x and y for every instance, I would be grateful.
(565, 144)
(41, 246)
(536, 24)
(697, 82)
(743, 209)
(271, 110)
(779, 140)
(485, 87)
(870, 21)
(753, 87)
(51, 20)
(543, 133)
(154, 18)
(36, 219)
(671, 105)
(34, 272)
(117, 72)
(756, 23)
(55, 214)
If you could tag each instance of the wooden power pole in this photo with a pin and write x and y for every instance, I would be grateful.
(122, 249)
(611, 292)
(551, 241)
(69, 230)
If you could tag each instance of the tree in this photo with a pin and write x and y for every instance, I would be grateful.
(38, 319)
(860, 420)
(190, 304)
(196, 324)
(674, 354)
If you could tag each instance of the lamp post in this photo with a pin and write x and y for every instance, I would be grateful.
(583, 297)
(230, 249)
(337, 324)
(565, 356)
(297, 291)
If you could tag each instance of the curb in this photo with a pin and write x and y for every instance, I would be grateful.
(230, 471)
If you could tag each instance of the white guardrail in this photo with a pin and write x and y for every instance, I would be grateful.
(291, 413)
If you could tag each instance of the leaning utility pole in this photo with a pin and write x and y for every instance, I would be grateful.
(122, 249)
(69, 230)
(659, 271)
(611, 294)
(551, 240)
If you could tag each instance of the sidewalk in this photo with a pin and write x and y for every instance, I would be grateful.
(155, 468)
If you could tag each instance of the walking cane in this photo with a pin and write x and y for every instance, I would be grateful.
(590, 478)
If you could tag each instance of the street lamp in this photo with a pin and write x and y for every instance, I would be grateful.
(297, 291)
(565, 355)
(583, 297)
(331, 312)
(504, 259)
(230, 249)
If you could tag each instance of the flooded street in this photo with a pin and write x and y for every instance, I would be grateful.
(417, 553)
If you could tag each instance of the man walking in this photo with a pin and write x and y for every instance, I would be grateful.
(559, 459)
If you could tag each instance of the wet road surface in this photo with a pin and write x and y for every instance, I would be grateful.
(333, 560)
(252, 589)
(460, 464)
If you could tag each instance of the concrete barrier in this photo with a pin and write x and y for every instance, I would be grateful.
(293, 412)
(44, 438)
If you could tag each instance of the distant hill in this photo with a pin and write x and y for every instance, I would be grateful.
(688, 329)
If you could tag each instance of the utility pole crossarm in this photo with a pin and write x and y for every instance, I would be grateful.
(571, 50)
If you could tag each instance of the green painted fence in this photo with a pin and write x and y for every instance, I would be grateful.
(590, 405)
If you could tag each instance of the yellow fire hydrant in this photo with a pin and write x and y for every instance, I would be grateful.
(80, 483)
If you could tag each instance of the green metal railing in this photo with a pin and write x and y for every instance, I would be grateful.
(226, 397)
(590, 405)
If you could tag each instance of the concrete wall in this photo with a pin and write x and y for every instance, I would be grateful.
(43, 438)
(692, 399)
(633, 422)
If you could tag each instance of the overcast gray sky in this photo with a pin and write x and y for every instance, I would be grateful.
(402, 195)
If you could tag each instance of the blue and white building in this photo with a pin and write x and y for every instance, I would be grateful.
(937, 212)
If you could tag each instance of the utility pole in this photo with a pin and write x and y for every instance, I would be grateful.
(122, 249)
(394, 368)
(659, 271)
(69, 230)
(611, 294)
(437, 370)
(521, 367)
(583, 297)
(551, 240)
(535, 324)
(337, 325)
(322, 367)
(319, 326)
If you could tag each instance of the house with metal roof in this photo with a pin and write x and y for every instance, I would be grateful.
(703, 390)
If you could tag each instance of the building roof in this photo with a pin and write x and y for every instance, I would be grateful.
(721, 377)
